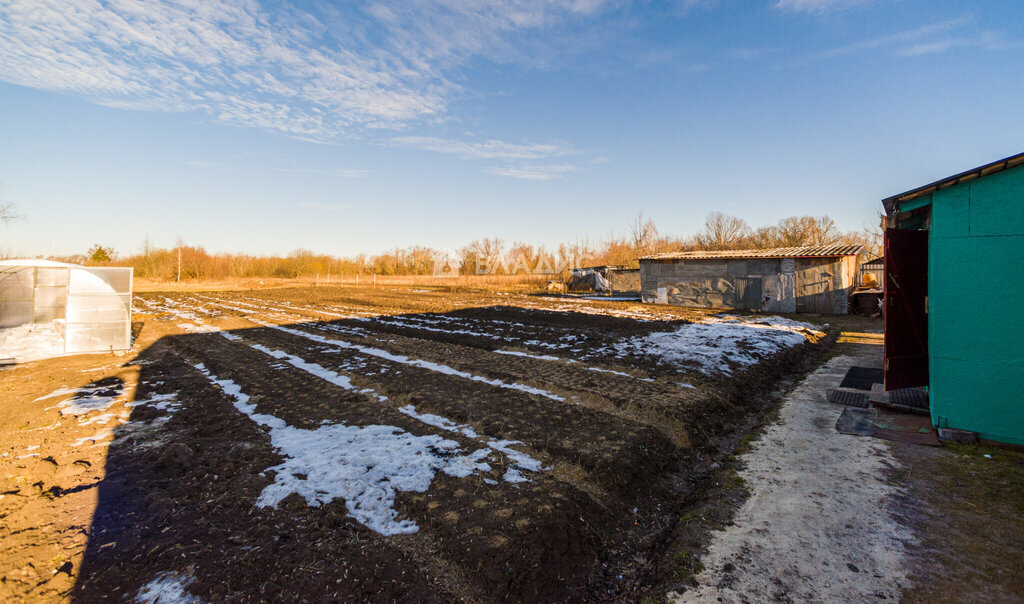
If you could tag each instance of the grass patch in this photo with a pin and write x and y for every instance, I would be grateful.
(688, 566)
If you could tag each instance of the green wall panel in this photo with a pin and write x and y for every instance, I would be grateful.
(976, 339)
(951, 212)
(980, 398)
(997, 204)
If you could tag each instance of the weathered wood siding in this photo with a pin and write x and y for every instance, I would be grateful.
(624, 280)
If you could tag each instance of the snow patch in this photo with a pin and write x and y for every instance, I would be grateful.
(167, 588)
(718, 343)
(365, 465)
(101, 435)
(85, 400)
(32, 341)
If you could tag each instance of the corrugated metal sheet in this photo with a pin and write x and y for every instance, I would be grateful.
(828, 251)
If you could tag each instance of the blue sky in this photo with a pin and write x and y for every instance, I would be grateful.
(362, 126)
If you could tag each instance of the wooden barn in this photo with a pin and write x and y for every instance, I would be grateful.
(954, 253)
(817, 279)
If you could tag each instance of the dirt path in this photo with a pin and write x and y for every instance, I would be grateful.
(818, 524)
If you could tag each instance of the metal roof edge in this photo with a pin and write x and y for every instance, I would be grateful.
(809, 251)
(890, 203)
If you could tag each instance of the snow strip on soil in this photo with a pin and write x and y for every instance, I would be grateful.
(520, 461)
(167, 588)
(539, 357)
(365, 465)
(817, 526)
(548, 357)
(718, 343)
(398, 358)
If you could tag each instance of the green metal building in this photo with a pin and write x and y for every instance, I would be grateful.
(954, 295)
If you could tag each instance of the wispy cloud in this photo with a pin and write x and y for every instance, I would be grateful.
(984, 41)
(817, 6)
(517, 160)
(534, 172)
(312, 73)
(339, 172)
(488, 149)
(927, 39)
(910, 36)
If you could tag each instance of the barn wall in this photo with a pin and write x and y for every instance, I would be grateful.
(624, 280)
(780, 288)
(844, 282)
(768, 284)
(975, 255)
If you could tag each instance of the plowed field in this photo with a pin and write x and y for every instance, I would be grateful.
(324, 444)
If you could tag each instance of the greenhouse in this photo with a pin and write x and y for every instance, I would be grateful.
(48, 309)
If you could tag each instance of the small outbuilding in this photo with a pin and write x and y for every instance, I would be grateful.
(50, 308)
(605, 278)
(954, 254)
(815, 279)
(871, 272)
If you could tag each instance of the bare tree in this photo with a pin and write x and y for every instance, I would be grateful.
(723, 232)
(766, 237)
(797, 231)
(8, 211)
(808, 230)
(643, 235)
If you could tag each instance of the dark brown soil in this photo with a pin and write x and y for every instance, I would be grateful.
(628, 450)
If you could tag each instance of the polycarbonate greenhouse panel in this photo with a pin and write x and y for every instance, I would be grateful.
(17, 293)
(99, 305)
(96, 308)
(52, 277)
(86, 309)
(97, 337)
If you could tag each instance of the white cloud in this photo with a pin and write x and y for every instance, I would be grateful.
(488, 149)
(316, 75)
(549, 172)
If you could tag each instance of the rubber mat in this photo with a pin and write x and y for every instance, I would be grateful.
(845, 397)
(909, 397)
(860, 422)
(861, 378)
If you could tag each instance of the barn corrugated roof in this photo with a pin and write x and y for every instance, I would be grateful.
(811, 251)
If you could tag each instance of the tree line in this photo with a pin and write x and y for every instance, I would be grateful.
(490, 255)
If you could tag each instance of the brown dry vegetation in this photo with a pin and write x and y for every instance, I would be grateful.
(493, 256)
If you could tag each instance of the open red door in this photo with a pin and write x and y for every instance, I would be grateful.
(906, 308)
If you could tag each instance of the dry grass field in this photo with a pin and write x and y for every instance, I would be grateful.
(398, 442)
